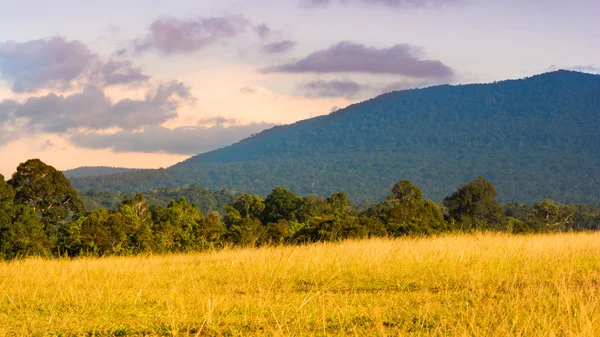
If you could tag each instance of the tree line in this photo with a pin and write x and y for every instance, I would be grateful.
(41, 214)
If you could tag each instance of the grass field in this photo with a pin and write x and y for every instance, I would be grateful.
(470, 285)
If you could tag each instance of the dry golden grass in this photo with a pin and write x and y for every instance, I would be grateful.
(470, 285)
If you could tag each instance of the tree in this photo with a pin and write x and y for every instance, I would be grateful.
(281, 204)
(548, 215)
(474, 205)
(249, 206)
(405, 192)
(24, 235)
(405, 213)
(47, 192)
(7, 195)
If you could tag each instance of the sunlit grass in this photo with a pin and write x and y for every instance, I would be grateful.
(471, 285)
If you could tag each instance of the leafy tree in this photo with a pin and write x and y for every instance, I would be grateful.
(281, 204)
(249, 206)
(47, 192)
(474, 205)
(404, 192)
(7, 196)
(310, 206)
(24, 235)
(550, 216)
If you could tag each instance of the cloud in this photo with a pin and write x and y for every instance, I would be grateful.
(47, 145)
(115, 72)
(182, 140)
(91, 109)
(279, 47)
(45, 63)
(172, 36)
(401, 59)
(218, 120)
(263, 31)
(59, 64)
(7, 107)
(248, 90)
(353, 90)
(334, 88)
(386, 3)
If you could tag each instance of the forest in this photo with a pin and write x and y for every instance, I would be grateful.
(41, 214)
(535, 138)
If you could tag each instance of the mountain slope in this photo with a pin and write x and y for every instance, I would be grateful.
(94, 171)
(534, 138)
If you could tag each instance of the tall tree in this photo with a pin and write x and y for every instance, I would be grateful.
(281, 204)
(47, 192)
(7, 195)
(474, 205)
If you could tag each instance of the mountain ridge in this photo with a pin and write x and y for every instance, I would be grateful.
(518, 133)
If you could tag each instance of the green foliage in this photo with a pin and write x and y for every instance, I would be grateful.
(195, 194)
(23, 235)
(136, 227)
(281, 204)
(47, 192)
(474, 205)
(7, 195)
(534, 138)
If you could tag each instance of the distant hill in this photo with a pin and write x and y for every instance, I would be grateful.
(534, 138)
(95, 171)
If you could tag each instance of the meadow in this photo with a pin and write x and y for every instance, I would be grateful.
(451, 285)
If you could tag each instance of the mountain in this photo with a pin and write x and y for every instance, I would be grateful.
(534, 138)
(95, 171)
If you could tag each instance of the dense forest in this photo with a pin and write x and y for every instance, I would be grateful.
(42, 214)
(95, 171)
(534, 138)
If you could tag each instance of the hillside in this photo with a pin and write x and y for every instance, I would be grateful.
(94, 171)
(534, 138)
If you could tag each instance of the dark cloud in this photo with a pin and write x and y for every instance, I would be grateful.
(334, 109)
(170, 35)
(401, 59)
(183, 140)
(334, 88)
(279, 47)
(386, 3)
(44, 64)
(93, 110)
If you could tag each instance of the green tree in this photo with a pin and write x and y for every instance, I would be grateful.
(281, 204)
(47, 192)
(249, 206)
(7, 195)
(474, 205)
(404, 192)
(24, 235)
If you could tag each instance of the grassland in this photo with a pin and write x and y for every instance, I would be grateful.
(468, 285)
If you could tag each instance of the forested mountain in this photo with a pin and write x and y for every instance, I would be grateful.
(534, 138)
(94, 171)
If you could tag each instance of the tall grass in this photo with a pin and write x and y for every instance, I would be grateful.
(465, 285)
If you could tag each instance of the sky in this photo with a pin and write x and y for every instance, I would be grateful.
(149, 83)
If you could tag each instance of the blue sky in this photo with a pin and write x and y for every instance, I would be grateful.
(149, 83)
